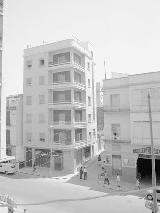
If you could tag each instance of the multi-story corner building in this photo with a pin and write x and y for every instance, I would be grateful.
(14, 126)
(126, 124)
(59, 109)
(2, 96)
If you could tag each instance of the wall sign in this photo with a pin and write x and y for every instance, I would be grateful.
(146, 150)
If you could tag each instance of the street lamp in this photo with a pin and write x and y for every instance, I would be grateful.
(153, 158)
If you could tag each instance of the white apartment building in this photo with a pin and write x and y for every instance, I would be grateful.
(14, 127)
(126, 124)
(59, 108)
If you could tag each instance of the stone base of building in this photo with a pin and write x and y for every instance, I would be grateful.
(67, 161)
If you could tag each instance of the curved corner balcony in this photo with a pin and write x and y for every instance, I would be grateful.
(67, 104)
(67, 124)
(62, 145)
(80, 144)
(66, 65)
(67, 85)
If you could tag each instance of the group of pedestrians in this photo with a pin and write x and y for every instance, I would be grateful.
(104, 174)
(83, 173)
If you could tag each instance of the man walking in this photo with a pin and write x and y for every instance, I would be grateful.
(81, 172)
(118, 180)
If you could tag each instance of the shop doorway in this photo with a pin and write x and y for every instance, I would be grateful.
(144, 168)
(29, 157)
(58, 160)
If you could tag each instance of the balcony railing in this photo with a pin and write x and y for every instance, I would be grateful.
(60, 102)
(80, 123)
(67, 84)
(116, 109)
(60, 122)
(60, 143)
(51, 64)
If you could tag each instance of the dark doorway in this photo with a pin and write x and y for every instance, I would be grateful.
(144, 168)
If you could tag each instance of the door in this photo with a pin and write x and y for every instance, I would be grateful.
(58, 163)
(116, 164)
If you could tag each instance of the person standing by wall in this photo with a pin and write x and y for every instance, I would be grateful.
(85, 173)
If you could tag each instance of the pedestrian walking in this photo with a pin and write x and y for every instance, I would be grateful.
(138, 183)
(34, 167)
(81, 172)
(103, 165)
(85, 173)
(99, 160)
(118, 180)
(106, 178)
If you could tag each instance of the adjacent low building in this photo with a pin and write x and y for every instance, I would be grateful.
(126, 124)
(14, 126)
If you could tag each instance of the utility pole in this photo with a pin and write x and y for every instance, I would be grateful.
(153, 158)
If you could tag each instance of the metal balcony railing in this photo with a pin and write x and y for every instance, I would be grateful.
(117, 140)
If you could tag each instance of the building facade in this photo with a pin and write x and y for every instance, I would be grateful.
(126, 123)
(59, 108)
(2, 95)
(14, 126)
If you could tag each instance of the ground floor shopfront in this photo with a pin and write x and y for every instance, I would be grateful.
(130, 160)
(59, 159)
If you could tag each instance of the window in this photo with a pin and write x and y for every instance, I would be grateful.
(61, 96)
(61, 58)
(78, 135)
(89, 83)
(41, 99)
(61, 77)
(28, 100)
(94, 133)
(41, 62)
(115, 100)
(77, 96)
(88, 66)
(89, 118)
(42, 137)
(77, 59)
(28, 82)
(89, 101)
(115, 131)
(41, 118)
(41, 80)
(28, 137)
(28, 118)
(77, 77)
(90, 135)
(29, 64)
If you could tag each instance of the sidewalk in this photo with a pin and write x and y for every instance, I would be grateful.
(41, 172)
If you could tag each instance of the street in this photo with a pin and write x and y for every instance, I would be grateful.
(50, 195)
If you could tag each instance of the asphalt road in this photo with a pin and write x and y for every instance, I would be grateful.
(45, 195)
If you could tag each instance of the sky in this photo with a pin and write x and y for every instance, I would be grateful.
(124, 33)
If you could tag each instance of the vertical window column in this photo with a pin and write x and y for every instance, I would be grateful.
(73, 136)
